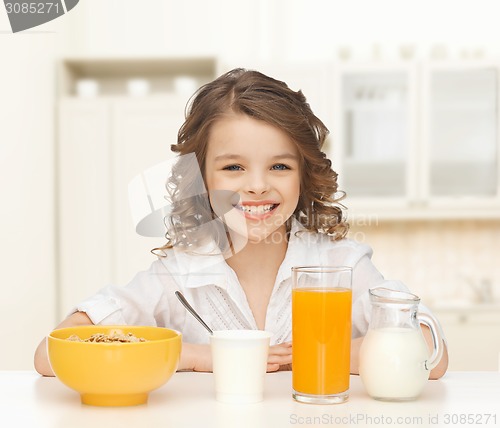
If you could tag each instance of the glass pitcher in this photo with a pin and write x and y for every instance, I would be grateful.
(394, 361)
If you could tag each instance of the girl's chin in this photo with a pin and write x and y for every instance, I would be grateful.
(256, 235)
(245, 231)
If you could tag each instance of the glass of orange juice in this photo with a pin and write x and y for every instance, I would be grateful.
(321, 333)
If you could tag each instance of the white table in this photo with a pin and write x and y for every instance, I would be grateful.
(187, 400)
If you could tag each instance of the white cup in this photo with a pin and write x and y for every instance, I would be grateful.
(239, 359)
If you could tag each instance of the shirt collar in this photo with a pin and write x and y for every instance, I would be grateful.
(193, 269)
(301, 250)
(207, 266)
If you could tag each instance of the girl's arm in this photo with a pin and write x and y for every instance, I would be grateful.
(198, 357)
(42, 365)
(194, 357)
(442, 366)
(355, 346)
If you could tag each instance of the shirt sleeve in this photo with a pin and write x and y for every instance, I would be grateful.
(140, 302)
(364, 276)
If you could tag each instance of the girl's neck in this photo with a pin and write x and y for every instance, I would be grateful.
(256, 267)
(268, 253)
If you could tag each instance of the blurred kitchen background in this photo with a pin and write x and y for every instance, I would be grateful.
(409, 90)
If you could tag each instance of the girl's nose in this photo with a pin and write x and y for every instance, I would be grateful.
(257, 184)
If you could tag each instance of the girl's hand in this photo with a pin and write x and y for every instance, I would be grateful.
(195, 357)
(198, 358)
(280, 357)
(42, 364)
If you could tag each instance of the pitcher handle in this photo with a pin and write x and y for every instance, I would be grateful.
(437, 340)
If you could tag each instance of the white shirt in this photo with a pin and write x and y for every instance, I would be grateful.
(213, 289)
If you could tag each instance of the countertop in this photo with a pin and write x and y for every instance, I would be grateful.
(187, 400)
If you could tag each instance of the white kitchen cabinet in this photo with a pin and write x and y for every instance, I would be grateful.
(83, 199)
(143, 131)
(312, 78)
(418, 140)
(103, 144)
(374, 134)
(460, 133)
(472, 335)
(117, 118)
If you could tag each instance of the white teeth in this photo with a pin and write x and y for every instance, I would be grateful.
(256, 209)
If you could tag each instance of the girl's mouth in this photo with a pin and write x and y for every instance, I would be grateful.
(256, 210)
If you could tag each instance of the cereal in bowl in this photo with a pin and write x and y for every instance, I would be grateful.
(108, 338)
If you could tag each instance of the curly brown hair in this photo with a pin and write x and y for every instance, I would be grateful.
(254, 94)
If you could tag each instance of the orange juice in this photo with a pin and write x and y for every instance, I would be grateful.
(321, 340)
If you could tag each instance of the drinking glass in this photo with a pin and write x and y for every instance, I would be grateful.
(321, 333)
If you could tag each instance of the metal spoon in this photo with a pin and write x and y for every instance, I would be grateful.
(191, 310)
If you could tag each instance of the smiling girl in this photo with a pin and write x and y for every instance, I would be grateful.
(271, 203)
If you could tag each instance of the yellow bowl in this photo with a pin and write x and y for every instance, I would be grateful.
(114, 374)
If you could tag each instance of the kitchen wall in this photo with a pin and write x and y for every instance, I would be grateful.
(27, 228)
(233, 32)
(282, 29)
(437, 259)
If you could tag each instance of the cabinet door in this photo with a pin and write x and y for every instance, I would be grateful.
(143, 130)
(312, 78)
(473, 340)
(84, 214)
(375, 124)
(461, 132)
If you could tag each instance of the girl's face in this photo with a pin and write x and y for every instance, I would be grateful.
(252, 173)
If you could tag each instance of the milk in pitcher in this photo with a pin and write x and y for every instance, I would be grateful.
(392, 363)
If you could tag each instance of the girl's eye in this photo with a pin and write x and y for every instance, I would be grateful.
(280, 167)
(232, 168)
